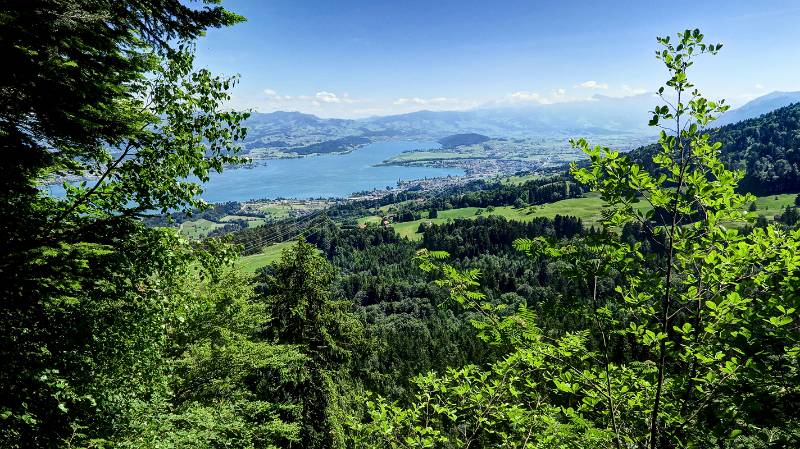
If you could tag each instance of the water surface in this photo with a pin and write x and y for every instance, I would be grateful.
(321, 176)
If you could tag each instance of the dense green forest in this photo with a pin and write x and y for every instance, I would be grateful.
(764, 148)
(412, 206)
(462, 139)
(660, 328)
(330, 146)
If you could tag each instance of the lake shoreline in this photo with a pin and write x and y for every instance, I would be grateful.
(322, 176)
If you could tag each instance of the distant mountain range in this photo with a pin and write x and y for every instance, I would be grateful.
(758, 107)
(601, 115)
(766, 148)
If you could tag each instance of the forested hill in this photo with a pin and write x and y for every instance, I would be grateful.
(767, 148)
(758, 107)
(462, 139)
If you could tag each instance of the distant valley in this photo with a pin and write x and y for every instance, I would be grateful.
(616, 121)
(293, 134)
(764, 148)
(486, 141)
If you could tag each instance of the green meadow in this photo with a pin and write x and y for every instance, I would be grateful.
(270, 254)
(588, 209)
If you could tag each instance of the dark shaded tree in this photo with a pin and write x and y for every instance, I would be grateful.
(103, 95)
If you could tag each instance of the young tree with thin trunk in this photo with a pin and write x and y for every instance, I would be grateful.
(706, 318)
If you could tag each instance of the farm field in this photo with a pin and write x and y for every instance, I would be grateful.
(252, 222)
(518, 179)
(421, 156)
(279, 210)
(370, 219)
(588, 209)
(772, 205)
(198, 229)
(270, 254)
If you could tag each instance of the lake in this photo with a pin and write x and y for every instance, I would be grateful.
(321, 176)
(325, 176)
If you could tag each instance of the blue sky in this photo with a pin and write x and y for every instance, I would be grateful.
(349, 58)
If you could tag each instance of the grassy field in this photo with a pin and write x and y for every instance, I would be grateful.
(271, 253)
(409, 228)
(370, 219)
(517, 180)
(228, 218)
(772, 205)
(252, 222)
(256, 223)
(198, 229)
(287, 209)
(587, 209)
(418, 156)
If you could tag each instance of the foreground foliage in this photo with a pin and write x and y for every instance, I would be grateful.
(663, 329)
(104, 95)
(694, 343)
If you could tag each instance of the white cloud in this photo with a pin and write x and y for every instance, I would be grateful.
(327, 97)
(405, 101)
(759, 86)
(561, 95)
(339, 104)
(276, 100)
(525, 96)
(425, 101)
(320, 97)
(411, 104)
(322, 102)
(273, 95)
(592, 84)
(330, 97)
(628, 90)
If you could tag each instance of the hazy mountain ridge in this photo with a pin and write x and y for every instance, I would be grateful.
(766, 148)
(759, 106)
(288, 132)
